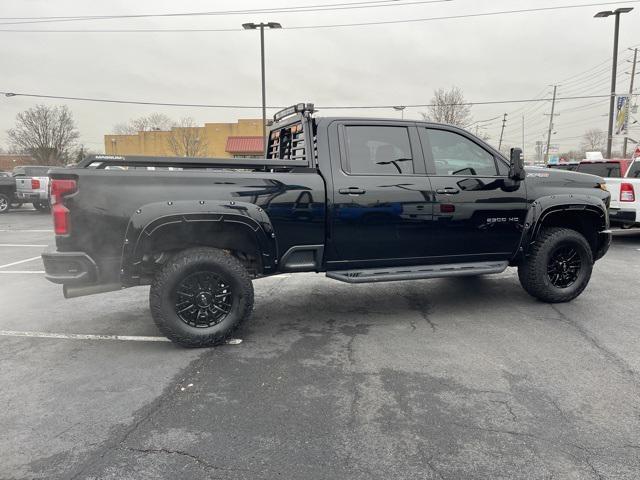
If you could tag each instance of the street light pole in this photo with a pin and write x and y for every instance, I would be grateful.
(400, 108)
(614, 69)
(633, 74)
(261, 26)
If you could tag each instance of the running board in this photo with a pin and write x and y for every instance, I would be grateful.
(417, 272)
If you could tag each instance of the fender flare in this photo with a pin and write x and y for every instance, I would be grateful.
(154, 220)
(541, 208)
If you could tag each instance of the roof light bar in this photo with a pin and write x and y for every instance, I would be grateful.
(292, 110)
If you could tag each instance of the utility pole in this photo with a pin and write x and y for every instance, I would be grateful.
(504, 122)
(633, 75)
(553, 109)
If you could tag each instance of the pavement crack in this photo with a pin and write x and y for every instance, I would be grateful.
(507, 405)
(429, 463)
(495, 430)
(624, 366)
(119, 438)
(200, 461)
(593, 469)
(422, 308)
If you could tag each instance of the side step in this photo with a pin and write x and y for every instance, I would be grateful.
(417, 272)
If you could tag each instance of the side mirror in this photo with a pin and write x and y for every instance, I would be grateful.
(516, 166)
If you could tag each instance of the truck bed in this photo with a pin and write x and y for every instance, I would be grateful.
(110, 194)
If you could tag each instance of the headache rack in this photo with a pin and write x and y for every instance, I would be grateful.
(178, 163)
(293, 135)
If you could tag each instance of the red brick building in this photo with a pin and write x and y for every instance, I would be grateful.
(8, 161)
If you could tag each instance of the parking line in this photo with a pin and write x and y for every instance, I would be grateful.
(18, 245)
(17, 230)
(21, 261)
(23, 271)
(80, 336)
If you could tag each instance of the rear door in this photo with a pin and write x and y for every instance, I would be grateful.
(381, 210)
(478, 212)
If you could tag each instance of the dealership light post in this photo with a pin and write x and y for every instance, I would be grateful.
(614, 68)
(261, 26)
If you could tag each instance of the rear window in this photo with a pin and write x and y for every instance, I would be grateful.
(634, 170)
(30, 171)
(611, 170)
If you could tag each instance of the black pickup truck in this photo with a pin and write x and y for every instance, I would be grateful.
(363, 200)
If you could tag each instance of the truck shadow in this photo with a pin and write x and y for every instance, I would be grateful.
(316, 305)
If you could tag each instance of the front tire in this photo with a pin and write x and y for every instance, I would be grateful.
(200, 297)
(559, 266)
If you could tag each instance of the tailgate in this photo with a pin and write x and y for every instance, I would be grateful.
(23, 184)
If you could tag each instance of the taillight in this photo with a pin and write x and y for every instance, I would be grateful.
(627, 194)
(60, 188)
(35, 184)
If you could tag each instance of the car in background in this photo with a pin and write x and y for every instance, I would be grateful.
(606, 168)
(32, 186)
(7, 191)
(624, 210)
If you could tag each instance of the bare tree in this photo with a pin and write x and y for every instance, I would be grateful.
(187, 139)
(448, 107)
(154, 121)
(44, 132)
(594, 140)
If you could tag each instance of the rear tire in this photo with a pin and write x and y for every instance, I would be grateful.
(200, 297)
(5, 203)
(558, 267)
(42, 207)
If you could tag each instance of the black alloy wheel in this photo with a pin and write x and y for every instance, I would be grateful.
(5, 203)
(203, 299)
(564, 266)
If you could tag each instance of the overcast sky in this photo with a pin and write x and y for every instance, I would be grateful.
(502, 57)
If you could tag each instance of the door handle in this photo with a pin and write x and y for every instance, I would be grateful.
(352, 191)
(447, 190)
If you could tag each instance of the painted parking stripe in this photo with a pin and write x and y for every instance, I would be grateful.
(41, 272)
(18, 245)
(81, 336)
(21, 261)
(33, 231)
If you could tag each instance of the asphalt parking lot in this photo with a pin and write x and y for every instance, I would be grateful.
(442, 379)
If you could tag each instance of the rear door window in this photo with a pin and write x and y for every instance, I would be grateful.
(376, 150)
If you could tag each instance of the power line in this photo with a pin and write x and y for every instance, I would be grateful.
(326, 107)
(335, 25)
(296, 9)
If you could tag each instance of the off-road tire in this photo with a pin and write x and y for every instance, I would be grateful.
(163, 294)
(533, 271)
(5, 203)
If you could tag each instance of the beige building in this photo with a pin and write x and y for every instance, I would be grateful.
(240, 139)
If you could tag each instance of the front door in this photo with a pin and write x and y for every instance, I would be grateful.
(381, 208)
(478, 212)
